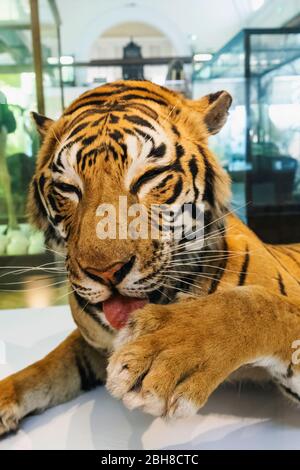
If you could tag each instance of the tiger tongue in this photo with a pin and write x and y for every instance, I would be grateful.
(118, 308)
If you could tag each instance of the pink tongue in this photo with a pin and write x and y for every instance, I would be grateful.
(118, 308)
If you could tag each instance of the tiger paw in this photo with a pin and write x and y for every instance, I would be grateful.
(9, 409)
(164, 364)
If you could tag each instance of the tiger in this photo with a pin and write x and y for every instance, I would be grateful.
(160, 323)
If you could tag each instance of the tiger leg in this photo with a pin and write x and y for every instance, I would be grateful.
(72, 367)
(170, 358)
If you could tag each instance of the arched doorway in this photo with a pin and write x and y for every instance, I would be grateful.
(110, 45)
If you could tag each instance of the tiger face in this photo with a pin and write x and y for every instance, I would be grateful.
(132, 141)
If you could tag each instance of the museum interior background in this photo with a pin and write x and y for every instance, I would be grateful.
(53, 50)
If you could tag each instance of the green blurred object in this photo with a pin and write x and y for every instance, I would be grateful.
(7, 118)
(7, 126)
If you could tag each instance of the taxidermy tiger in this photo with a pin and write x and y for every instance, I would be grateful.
(160, 323)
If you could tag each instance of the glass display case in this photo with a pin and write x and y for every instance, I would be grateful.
(28, 36)
(260, 145)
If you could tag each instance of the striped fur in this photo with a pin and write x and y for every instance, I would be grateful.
(232, 303)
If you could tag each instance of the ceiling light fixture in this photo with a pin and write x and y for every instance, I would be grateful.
(66, 59)
(203, 57)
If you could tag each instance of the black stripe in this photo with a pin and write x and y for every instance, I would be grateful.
(290, 392)
(123, 91)
(158, 152)
(66, 146)
(144, 134)
(52, 203)
(68, 188)
(57, 219)
(209, 179)
(244, 269)
(77, 129)
(88, 379)
(83, 163)
(217, 280)
(147, 176)
(128, 131)
(132, 96)
(113, 152)
(163, 182)
(175, 130)
(42, 181)
(138, 121)
(38, 200)
(89, 140)
(116, 135)
(97, 122)
(179, 151)
(290, 372)
(146, 90)
(56, 169)
(79, 155)
(126, 268)
(89, 309)
(194, 171)
(94, 152)
(50, 235)
(281, 285)
(144, 108)
(129, 96)
(154, 296)
(113, 119)
(83, 105)
(98, 94)
(93, 112)
(176, 192)
(58, 160)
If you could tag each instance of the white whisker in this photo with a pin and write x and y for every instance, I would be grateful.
(34, 288)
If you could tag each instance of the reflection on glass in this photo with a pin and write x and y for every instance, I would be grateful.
(21, 247)
(261, 69)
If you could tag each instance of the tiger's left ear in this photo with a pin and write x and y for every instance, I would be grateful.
(214, 108)
(42, 123)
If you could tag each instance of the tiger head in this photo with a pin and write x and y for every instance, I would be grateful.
(137, 142)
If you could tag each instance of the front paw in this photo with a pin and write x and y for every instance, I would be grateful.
(9, 408)
(166, 367)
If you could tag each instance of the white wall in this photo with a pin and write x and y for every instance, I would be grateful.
(275, 13)
(151, 46)
(108, 47)
(214, 22)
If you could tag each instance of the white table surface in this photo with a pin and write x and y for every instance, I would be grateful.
(234, 418)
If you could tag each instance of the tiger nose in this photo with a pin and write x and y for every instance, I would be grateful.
(114, 274)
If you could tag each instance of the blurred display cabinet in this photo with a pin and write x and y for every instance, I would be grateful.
(29, 43)
(260, 144)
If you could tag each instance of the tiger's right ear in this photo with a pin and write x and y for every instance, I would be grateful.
(42, 123)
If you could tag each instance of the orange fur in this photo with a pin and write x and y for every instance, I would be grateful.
(241, 308)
